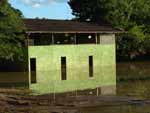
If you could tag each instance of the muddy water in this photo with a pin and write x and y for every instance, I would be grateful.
(133, 79)
(118, 109)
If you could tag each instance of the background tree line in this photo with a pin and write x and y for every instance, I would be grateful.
(12, 37)
(11, 32)
(131, 15)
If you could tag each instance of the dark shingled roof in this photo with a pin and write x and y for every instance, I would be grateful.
(65, 26)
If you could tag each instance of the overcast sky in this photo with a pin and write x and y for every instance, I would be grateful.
(52, 9)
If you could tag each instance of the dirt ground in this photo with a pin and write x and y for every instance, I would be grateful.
(19, 101)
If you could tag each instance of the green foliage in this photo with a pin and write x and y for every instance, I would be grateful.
(11, 32)
(131, 15)
(89, 10)
(130, 45)
(146, 44)
(137, 32)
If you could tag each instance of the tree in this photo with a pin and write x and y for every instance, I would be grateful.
(121, 13)
(90, 10)
(131, 15)
(11, 32)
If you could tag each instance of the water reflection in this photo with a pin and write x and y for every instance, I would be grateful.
(118, 109)
(133, 79)
(133, 71)
(13, 79)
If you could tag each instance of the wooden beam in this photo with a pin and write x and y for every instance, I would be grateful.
(75, 38)
(106, 32)
(53, 39)
(96, 37)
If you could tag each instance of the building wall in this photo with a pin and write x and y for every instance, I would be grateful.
(48, 62)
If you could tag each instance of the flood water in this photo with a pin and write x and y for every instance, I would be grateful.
(133, 79)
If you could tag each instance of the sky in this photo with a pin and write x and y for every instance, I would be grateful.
(51, 9)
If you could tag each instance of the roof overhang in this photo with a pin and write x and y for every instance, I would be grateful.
(59, 32)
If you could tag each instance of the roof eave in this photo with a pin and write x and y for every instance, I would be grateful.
(55, 32)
